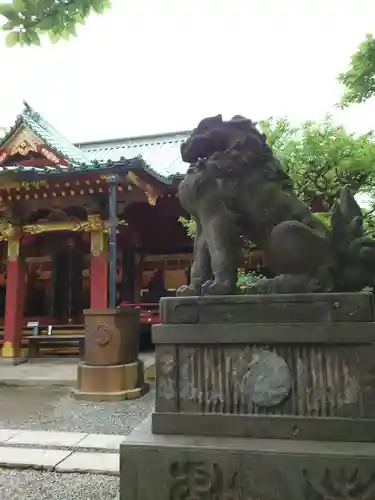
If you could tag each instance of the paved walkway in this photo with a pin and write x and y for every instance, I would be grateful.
(58, 371)
(71, 452)
(60, 451)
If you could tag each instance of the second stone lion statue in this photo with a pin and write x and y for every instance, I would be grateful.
(236, 188)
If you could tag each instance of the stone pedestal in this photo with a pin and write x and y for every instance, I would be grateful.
(165, 467)
(111, 370)
(259, 397)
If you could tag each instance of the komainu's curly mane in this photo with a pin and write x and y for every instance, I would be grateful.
(214, 135)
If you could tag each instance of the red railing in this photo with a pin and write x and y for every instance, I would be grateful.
(149, 312)
(149, 316)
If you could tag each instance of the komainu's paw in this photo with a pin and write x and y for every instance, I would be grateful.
(187, 291)
(218, 288)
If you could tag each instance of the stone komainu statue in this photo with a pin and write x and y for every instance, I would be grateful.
(236, 188)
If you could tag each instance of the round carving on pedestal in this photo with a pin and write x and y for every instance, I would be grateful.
(102, 335)
(268, 380)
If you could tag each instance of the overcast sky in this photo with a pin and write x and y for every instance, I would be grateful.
(150, 66)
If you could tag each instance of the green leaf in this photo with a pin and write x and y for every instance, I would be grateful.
(98, 6)
(46, 24)
(32, 37)
(54, 37)
(36, 5)
(23, 39)
(79, 18)
(65, 35)
(19, 5)
(84, 9)
(45, 4)
(72, 29)
(10, 25)
(35, 8)
(9, 12)
(12, 39)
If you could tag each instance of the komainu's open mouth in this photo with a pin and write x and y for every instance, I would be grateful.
(201, 147)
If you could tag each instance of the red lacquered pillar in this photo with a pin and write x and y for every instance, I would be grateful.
(14, 299)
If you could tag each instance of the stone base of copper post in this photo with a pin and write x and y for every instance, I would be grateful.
(111, 370)
(110, 383)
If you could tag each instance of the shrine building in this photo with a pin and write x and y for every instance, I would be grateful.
(54, 227)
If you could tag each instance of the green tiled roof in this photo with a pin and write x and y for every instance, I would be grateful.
(46, 133)
(158, 155)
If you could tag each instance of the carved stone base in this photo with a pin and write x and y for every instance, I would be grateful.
(110, 383)
(278, 366)
(182, 467)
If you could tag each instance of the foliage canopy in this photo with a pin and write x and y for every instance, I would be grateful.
(27, 20)
(321, 158)
(359, 79)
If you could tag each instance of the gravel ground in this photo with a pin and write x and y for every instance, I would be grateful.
(36, 485)
(52, 408)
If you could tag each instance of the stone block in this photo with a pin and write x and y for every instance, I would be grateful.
(266, 372)
(31, 457)
(223, 468)
(97, 463)
(6, 434)
(110, 383)
(47, 438)
(101, 441)
(292, 308)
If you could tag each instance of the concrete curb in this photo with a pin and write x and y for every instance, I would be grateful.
(66, 452)
(64, 461)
